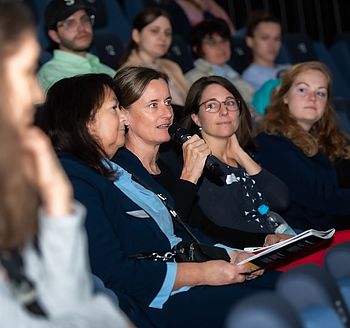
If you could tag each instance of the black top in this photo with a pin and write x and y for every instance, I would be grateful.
(230, 205)
(317, 199)
(185, 195)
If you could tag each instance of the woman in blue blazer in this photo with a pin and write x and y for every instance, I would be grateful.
(86, 125)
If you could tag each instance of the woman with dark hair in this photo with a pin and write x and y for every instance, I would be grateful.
(211, 44)
(301, 143)
(127, 222)
(44, 278)
(150, 41)
(216, 111)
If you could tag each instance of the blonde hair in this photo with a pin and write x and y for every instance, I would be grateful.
(324, 136)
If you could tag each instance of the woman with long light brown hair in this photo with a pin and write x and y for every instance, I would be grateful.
(301, 143)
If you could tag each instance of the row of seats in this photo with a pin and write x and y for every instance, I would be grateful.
(113, 28)
(307, 296)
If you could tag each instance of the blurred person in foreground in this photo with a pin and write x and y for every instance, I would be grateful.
(44, 278)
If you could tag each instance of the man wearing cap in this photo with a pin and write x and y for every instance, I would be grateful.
(69, 26)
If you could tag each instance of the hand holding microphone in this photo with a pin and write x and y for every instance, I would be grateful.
(196, 154)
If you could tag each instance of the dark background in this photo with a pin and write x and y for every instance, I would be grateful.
(322, 20)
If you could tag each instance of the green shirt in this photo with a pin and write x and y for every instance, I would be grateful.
(66, 64)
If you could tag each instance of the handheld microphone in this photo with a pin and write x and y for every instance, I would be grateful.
(181, 135)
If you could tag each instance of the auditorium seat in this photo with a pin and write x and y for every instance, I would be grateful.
(314, 294)
(133, 7)
(336, 260)
(264, 310)
(341, 88)
(342, 110)
(239, 54)
(180, 52)
(340, 52)
(115, 19)
(299, 47)
(108, 47)
(180, 23)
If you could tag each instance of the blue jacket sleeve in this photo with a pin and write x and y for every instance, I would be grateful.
(141, 280)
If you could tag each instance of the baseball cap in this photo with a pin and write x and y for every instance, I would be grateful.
(58, 10)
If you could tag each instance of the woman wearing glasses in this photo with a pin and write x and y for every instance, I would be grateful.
(216, 111)
(149, 120)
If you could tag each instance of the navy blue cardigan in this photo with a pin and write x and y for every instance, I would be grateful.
(316, 199)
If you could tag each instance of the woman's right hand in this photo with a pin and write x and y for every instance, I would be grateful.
(217, 273)
(211, 273)
(46, 173)
(195, 153)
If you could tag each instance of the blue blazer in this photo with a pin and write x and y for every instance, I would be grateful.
(114, 235)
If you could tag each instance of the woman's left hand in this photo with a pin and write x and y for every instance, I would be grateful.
(235, 149)
(275, 238)
(237, 257)
(237, 153)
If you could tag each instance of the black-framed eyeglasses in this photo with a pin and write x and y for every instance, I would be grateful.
(72, 24)
(214, 105)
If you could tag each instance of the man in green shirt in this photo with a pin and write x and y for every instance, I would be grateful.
(69, 26)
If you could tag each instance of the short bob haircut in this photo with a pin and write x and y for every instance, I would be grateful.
(324, 136)
(244, 132)
(130, 83)
(70, 105)
(208, 28)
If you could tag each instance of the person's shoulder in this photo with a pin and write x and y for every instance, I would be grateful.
(169, 64)
(75, 167)
(132, 60)
(248, 70)
(197, 72)
(269, 138)
(48, 66)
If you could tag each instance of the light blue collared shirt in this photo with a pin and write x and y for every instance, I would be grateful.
(150, 202)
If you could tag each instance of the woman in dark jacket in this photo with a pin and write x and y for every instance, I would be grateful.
(301, 143)
(126, 222)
